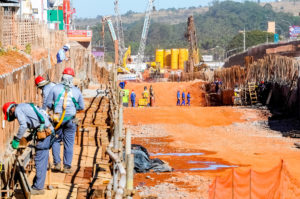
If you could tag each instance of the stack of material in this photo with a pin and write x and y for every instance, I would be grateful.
(272, 68)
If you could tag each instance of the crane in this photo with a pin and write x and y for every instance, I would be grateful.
(113, 36)
(119, 30)
(144, 33)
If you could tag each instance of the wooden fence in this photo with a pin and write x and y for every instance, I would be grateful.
(19, 85)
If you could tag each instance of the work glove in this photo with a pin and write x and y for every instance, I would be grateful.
(15, 143)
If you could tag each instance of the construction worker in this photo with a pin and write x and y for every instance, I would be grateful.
(188, 97)
(61, 55)
(125, 97)
(178, 98)
(145, 95)
(183, 98)
(65, 99)
(122, 84)
(46, 87)
(132, 98)
(151, 96)
(31, 117)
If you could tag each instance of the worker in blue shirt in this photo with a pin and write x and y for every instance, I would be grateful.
(61, 55)
(31, 117)
(188, 97)
(46, 87)
(65, 100)
(122, 84)
(183, 98)
(178, 98)
(132, 98)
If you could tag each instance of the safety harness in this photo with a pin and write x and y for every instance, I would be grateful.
(62, 117)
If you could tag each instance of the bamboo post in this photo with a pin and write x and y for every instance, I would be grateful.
(128, 144)
(129, 175)
(120, 120)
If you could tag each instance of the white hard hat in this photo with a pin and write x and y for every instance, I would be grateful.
(67, 47)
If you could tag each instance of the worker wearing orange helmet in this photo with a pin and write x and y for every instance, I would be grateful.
(65, 100)
(46, 87)
(32, 117)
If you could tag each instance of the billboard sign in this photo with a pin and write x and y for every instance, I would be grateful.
(80, 33)
(294, 31)
(276, 38)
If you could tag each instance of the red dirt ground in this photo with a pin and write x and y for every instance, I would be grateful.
(228, 133)
(12, 60)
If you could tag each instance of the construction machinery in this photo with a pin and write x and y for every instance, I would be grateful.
(120, 32)
(122, 67)
(144, 34)
(194, 62)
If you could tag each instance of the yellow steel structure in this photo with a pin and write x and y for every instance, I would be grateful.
(126, 56)
(159, 57)
(183, 57)
(174, 58)
(167, 58)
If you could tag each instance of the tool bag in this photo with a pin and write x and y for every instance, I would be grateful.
(41, 132)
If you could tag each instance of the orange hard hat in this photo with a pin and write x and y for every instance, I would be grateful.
(69, 71)
(6, 107)
(40, 81)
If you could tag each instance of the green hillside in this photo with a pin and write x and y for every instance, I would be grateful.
(215, 28)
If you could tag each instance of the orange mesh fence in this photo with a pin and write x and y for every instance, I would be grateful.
(239, 183)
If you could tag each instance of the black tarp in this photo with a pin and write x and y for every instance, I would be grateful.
(143, 163)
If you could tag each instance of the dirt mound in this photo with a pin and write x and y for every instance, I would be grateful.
(166, 92)
(12, 60)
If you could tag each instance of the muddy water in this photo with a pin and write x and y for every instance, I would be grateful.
(182, 160)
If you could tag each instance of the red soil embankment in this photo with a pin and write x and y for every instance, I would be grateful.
(166, 92)
(12, 60)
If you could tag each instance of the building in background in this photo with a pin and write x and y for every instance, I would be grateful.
(271, 27)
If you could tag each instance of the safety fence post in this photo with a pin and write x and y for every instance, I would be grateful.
(232, 174)
(250, 183)
(215, 187)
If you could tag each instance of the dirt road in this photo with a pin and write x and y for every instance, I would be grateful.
(202, 142)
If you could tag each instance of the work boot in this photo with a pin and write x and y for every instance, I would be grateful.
(37, 191)
(57, 167)
(67, 169)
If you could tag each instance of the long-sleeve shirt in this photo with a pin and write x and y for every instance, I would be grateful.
(188, 96)
(178, 95)
(46, 90)
(70, 108)
(28, 119)
(61, 55)
(132, 96)
(183, 95)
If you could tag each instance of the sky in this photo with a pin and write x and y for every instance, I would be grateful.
(93, 8)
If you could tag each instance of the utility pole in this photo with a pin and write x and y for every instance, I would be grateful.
(244, 39)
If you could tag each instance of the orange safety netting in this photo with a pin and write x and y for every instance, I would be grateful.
(239, 183)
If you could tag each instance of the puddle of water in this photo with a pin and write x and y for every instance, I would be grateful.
(212, 167)
(176, 154)
(209, 166)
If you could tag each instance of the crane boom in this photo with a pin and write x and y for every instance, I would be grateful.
(145, 33)
(119, 28)
(113, 36)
